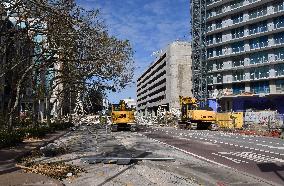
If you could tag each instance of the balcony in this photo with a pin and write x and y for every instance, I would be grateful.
(258, 45)
(279, 89)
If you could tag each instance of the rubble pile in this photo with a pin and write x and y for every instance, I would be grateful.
(54, 149)
(57, 170)
(162, 117)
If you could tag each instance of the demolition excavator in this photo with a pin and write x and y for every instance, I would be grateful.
(192, 117)
(122, 117)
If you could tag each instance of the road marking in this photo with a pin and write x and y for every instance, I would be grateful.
(192, 154)
(272, 147)
(259, 158)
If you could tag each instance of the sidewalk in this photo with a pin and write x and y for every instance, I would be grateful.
(8, 158)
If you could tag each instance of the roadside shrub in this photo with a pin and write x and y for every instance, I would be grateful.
(60, 126)
(11, 138)
(37, 132)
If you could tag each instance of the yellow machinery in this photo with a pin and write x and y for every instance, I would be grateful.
(122, 117)
(194, 118)
(230, 120)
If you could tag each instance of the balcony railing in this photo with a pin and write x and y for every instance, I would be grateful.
(280, 89)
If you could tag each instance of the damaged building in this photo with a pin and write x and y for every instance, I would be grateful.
(167, 78)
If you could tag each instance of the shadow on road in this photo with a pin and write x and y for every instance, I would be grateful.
(272, 167)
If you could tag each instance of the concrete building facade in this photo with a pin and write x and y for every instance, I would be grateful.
(167, 78)
(245, 53)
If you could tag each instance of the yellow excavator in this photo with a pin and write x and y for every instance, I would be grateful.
(194, 118)
(122, 117)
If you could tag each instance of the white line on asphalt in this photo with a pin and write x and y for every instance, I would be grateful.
(190, 153)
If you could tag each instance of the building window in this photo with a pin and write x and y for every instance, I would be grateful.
(238, 62)
(260, 87)
(209, 14)
(279, 69)
(258, 28)
(238, 75)
(218, 10)
(219, 51)
(252, 1)
(210, 79)
(279, 38)
(237, 18)
(259, 73)
(278, 22)
(209, 66)
(219, 78)
(209, 40)
(237, 4)
(279, 54)
(257, 12)
(279, 85)
(218, 38)
(279, 6)
(259, 57)
(209, 27)
(218, 24)
(258, 42)
(238, 88)
(238, 33)
(219, 65)
(209, 52)
(210, 1)
(238, 47)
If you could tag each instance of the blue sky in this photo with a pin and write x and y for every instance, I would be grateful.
(150, 25)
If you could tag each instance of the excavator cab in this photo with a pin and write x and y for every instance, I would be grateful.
(122, 117)
(192, 116)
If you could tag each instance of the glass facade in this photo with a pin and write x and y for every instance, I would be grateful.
(247, 47)
(218, 24)
(238, 75)
(279, 69)
(237, 18)
(279, 6)
(237, 33)
(278, 22)
(237, 4)
(257, 12)
(279, 54)
(259, 57)
(219, 51)
(209, 52)
(238, 61)
(259, 73)
(258, 28)
(259, 42)
(279, 85)
(209, 40)
(279, 38)
(238, 47)
(218, 38)
(260, 87)
(238, 88)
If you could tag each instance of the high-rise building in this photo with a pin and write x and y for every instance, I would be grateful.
(167, 78)
(245, 53)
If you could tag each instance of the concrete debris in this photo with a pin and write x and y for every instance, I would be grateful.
(53, 149)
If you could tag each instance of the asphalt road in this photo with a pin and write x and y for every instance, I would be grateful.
(259, 156)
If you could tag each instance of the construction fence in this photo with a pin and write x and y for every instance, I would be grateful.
(263, 119)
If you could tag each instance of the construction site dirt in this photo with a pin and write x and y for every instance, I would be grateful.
(161, 156)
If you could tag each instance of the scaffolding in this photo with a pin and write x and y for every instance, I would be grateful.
(199, 65)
